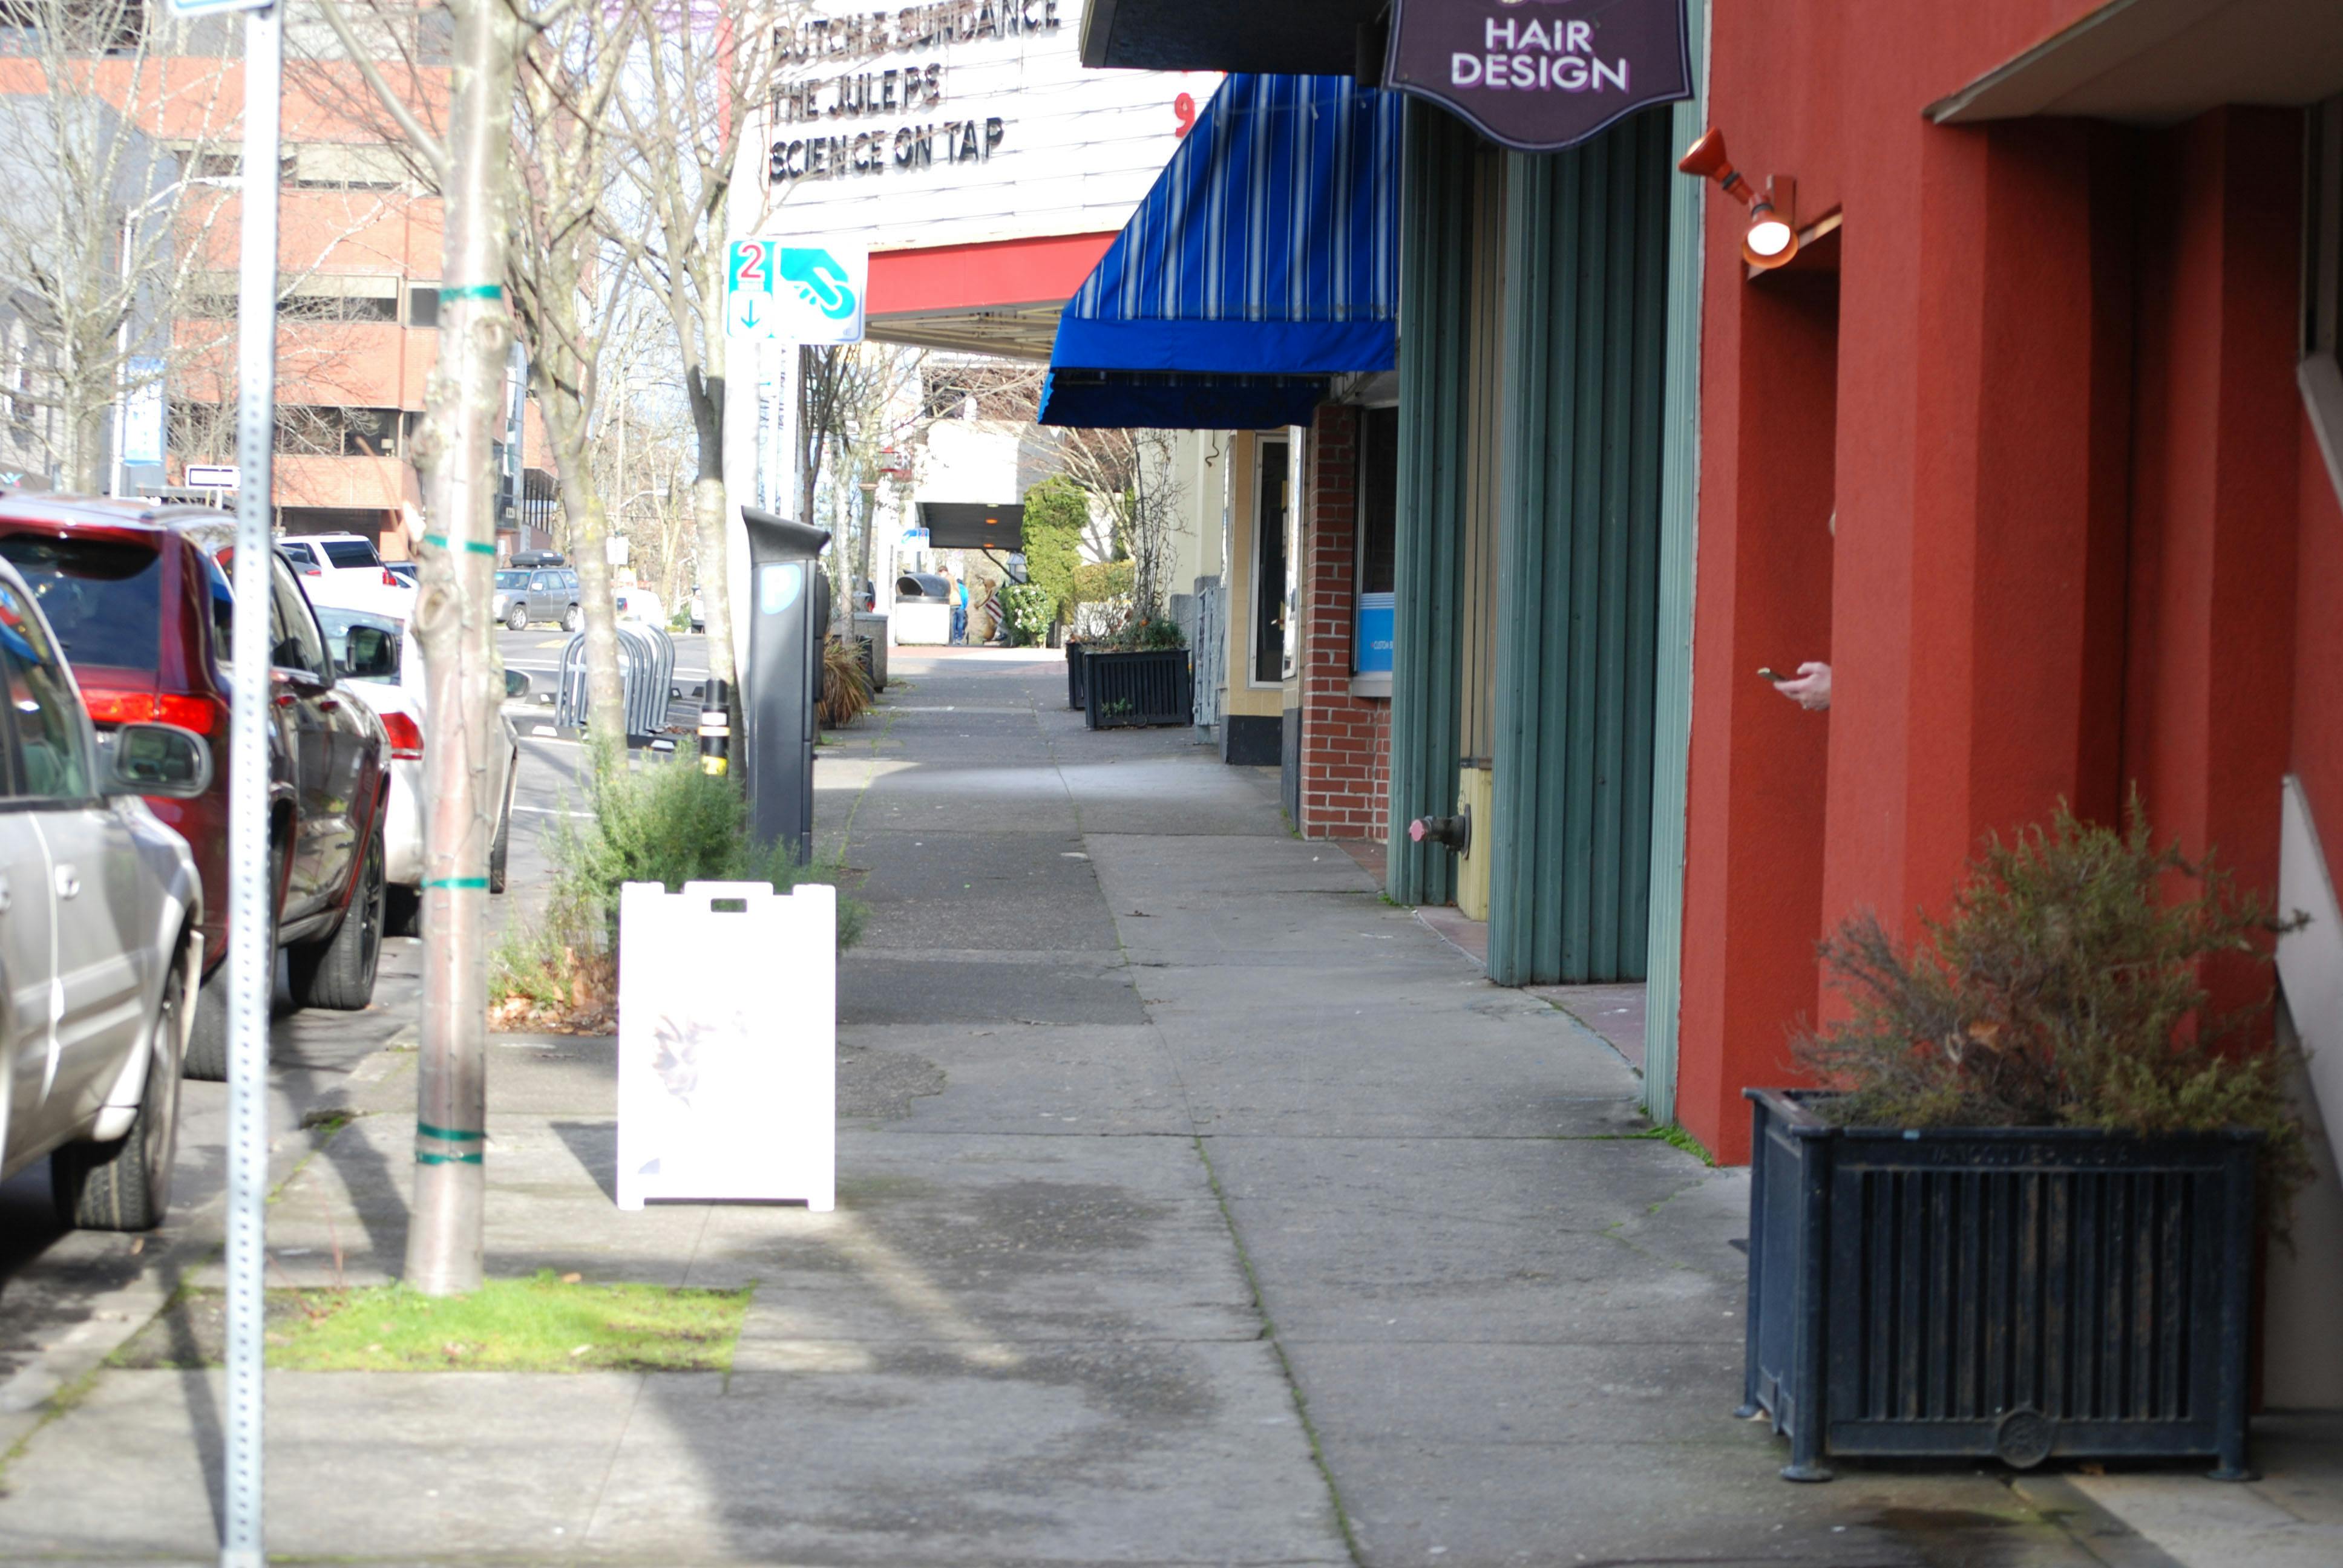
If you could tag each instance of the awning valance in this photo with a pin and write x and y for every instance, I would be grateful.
(1265, 258)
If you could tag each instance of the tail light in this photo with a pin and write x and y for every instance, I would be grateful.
(391, 578)
(406, 737)
(196, 713)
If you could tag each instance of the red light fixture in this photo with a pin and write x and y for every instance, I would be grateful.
(1773, 237)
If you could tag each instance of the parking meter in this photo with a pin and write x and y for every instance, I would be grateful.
(788, 616)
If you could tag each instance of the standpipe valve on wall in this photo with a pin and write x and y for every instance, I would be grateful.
(716, 727)
(1453, 834)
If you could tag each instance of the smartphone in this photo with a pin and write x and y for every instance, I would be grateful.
(1765, 674)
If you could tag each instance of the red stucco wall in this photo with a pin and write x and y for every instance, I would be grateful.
(2064, 463)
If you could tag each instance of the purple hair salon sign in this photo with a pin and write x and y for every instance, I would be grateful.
(1538, 75)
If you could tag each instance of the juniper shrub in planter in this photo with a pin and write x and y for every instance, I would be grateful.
(2018, 1220)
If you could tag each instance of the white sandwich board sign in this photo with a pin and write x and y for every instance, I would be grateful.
(728, 1044)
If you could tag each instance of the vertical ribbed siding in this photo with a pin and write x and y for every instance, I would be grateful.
(1434, 360)
(1483, 423)
(1672, 669)
(1587, 282)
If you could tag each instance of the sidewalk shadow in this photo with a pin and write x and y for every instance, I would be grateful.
(595, 1146)
(367, 1173)
(204, 1416)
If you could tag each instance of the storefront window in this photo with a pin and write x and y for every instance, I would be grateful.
(1371, 649)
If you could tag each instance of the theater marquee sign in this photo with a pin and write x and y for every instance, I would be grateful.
(1540, 75)
(955, 122)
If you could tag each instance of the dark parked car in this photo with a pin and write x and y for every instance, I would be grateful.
(138, 596)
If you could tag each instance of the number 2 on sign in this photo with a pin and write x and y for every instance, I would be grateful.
(749, 262)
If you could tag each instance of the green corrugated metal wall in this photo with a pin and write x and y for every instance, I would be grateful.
(1586, 312)
(1679, 505)
(1436, 265)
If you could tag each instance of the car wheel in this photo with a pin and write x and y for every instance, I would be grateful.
(570, 618)
(500, 848)
(208, 1036)
(339, 973)
(125, 1185)
(516, 618)
(208, 1040)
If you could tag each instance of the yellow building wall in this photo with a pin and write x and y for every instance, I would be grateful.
(1242, 697)
(1473, 795)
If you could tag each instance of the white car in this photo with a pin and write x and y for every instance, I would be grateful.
(345, 571)
(640, 604)
(101, 937)
(384, 668)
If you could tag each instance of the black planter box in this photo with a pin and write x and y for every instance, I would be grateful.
(1122, 689)
(2013, 1293)
(1074, 655)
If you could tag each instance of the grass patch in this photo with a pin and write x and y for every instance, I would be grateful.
(543, 1324)
(1674, 1133)
(539, 1324)
(1671, 1134)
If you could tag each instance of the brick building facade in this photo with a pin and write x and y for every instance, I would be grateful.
(1345, 737)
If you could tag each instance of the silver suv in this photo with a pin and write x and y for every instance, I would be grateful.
(536, 593)
(100, 921)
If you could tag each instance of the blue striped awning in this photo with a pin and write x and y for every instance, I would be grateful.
(1265, 259)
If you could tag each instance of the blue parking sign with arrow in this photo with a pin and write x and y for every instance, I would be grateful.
(809, 292)
(748, 290)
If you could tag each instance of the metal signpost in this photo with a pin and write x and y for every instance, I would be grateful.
(251, 965)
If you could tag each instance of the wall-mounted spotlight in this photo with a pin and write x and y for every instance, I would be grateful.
(1773, 237)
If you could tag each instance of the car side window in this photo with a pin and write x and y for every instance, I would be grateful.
(222, 601)
(539, 584)
(569, 581)
(51, 731)
(294, 641)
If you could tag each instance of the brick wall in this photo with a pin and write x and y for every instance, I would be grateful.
(1345, 739)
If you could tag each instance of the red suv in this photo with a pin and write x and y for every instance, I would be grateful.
(142, 607)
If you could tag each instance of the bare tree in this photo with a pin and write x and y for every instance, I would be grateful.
(472, 169)
(108, 220)
(1131, 475)
(643, 452)
(684, 114)
(561, 279)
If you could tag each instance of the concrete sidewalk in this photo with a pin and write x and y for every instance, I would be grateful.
(1196, 1206)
